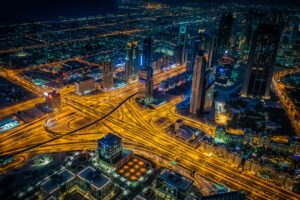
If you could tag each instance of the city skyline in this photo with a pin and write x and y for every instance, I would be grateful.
(151, 100)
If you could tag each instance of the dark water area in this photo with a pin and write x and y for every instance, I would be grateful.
(20, 11)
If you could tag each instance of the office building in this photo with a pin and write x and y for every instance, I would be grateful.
(172, 185)
(85, 86)
(147, 52)
(110, 148)
(98, 185)
(108, 73)
(110, 151)
(202, 86)
(261, 61)
(205, 42)
(224, 34)
(223, 70)
(57, 184)
(146, 73)
(131, 61)
(146, 83)
(53, 100)
(181, 46)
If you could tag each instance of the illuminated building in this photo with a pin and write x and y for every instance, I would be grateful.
(57, 184)
(180, 49)
(85, 86)
(108, 70)
(202, 86)
(223, 70)
(254, 17)
(237, 195)
(261, 61)
(131, 61)
(146, 80)
(224, 34)
(146, 74)
(92, 180)
(172, 185)
(221, 113)
(205, 42)
(147, 52)
(110, 148)
(53, 100)
(110, 151)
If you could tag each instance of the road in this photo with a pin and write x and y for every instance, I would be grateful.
(83, 120)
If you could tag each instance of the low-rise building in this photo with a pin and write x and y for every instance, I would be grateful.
(99, 185)
(85, 86)
(172, 185)
(57, 184)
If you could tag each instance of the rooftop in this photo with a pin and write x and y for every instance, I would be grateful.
(110, 140)
(175, 179)
(57, 180)
(94, 177)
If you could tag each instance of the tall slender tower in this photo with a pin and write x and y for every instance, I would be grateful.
(108, 70)
(261, 61)
(147, 52)
(146, 73)
(224, 34)
(130, 61)
(202, 87)
(204, 42)
(181, 47)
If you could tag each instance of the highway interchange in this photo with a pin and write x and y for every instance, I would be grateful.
(84, 119)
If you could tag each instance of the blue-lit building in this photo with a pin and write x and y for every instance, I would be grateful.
(172, 185)
(223, 70)
(110, 148)
(99, 185)
(111, 153)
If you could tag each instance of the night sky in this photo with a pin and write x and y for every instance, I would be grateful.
(13, 11)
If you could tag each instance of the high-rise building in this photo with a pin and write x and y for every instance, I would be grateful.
(147, 52)
(261, 61)
(146, 73)
(224, 34)
(223, 70)
(202, 86)
(110, 148)
(181, 46)
(108, 70)
(146, 80)
(131, 61)
(205, 42)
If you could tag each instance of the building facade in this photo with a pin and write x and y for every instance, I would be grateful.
(108, 73)
(261, 61)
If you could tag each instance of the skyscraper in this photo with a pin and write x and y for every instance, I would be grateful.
(146, 74)
(224, 34)
(130, 61)
(202, 86)
(204, 42)
(181, 46)
(108, 69)
(147, 52)
(146, 80)
(261, 61)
